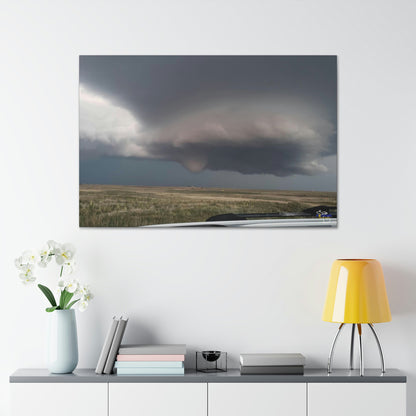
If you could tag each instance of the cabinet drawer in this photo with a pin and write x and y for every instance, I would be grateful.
(360, 399)
(157, 399)
(254, 399)
(63, 399)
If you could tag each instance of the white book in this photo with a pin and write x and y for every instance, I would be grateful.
(276, 359)
(106, 346)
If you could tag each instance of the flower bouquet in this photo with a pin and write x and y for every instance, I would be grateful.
(69, 292)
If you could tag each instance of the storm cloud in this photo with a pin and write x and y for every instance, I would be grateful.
(252, 115)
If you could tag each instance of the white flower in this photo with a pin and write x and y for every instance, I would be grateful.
(82, 305)
(82, 290)
(61, 285)
(53, 246)
(27, 274)
(85, 293)
(30, 257)
(89, 296)
(27, 278)
(27, 269)
(64, 253)
(19, 263)
(45, 256)
(69, 267)
(72, 286)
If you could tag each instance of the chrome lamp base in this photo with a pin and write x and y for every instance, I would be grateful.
(331, 352)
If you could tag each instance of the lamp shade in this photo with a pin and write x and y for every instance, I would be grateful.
(356, 293)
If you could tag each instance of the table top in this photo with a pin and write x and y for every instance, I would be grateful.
(87, 375)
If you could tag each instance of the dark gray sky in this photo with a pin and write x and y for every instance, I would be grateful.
(266, 122)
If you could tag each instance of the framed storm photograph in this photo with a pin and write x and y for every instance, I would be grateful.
(242, 141)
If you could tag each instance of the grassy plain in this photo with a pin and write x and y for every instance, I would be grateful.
(134, 206)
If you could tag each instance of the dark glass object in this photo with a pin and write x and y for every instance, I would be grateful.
(211, 361)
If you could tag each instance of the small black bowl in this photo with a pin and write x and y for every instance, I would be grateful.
(211, 356)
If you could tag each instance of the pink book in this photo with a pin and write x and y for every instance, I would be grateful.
(150, 358)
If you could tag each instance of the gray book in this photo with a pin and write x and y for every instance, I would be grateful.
(118, 336)
(272, 359)
(276, 370)
(106, 347)
(143, 349)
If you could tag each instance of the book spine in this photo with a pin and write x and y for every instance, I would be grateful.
(108, 369)
(276, 370)
(150, 357)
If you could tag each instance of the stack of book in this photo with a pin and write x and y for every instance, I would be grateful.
(151, 360)
(272, 364)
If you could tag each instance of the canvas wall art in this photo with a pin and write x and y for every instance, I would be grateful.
(208, 140)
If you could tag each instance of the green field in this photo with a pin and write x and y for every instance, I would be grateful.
(133, 206)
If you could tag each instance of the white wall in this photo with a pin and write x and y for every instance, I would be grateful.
(236, 290)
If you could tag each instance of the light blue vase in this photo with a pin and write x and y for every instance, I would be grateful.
(62, 342)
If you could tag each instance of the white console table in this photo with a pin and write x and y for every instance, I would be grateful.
(36, 392)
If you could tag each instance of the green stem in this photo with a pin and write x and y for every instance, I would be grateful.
(62, 268)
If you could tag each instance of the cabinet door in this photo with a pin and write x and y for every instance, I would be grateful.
(360, 399)
(63, 399)
(254, 399)
(158, 399)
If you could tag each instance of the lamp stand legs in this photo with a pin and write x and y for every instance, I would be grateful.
(334, 342)
(352, 347)
(383, 368)
(361, 350)
(331, 352)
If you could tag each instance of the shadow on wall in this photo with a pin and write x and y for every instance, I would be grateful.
(139, 333)
(190, 358)
(401, 289)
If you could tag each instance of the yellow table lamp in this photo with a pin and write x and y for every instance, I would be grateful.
(356, 295)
